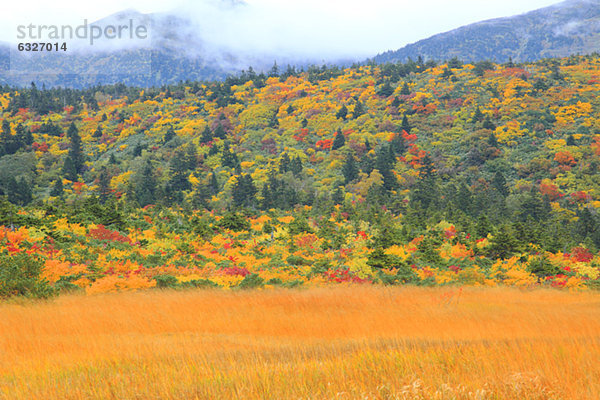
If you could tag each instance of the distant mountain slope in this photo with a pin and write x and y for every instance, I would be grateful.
(570, 27)
(176, 51)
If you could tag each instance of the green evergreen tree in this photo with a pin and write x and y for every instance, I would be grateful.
(488, 124)
(478, 115)
(244, 191)
(214, 184)
(98, 132)
(359, 109)
(349, 169)
(342, 113)
(229, 158)
(69, 171)
(499, 183)
(104, 190)
(338, 195)
(284, 164)
(405, 124)
(339, 141)
(169, 135)
(296, 166)
(206, 136)
(220, 132)
(386, 90)
(145, 190)
(75, 159)
(405, 91)
(503, 245)
(57, 188)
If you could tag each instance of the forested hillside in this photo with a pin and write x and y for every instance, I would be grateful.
(422, 173)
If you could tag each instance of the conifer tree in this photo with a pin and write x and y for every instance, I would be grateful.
(339, 141)
(349, 169)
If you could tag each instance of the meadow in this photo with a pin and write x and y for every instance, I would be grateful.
(347, 342)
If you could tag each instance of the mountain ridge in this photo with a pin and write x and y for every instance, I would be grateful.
(559, 30)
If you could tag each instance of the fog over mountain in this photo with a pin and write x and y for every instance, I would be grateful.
(212, 39)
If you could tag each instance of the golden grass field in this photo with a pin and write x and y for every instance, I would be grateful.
(337, 343)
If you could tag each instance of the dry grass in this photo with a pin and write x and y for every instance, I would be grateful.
(344, 343)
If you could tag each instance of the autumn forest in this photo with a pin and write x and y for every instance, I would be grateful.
(415, 173)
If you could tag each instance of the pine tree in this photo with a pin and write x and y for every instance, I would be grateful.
(145, 189)
(464, 200)
(483, 227)
(296, 166)
(75, 158)
(5, 138)
(284, 163)
(349, 169)
(178, 167)
(244, 191)
(104, 190)
(57, 188)
(274, 72)
(503, 244)
(488, 124)
(359, 110)
(98, 132)
(478, 115)
(338, 196)
(24, 136)
(169, 135)
(405, 124)
(267, 198)
(342, 113)
(386, 90)
(405, 91)
(69, 171)
(398, 144)
(339, 141)
(214, 184)
(206, 136)
(385, 163)
(229, 158)
(499, 183)
(18, 191)
(220, 132)
(190, 158)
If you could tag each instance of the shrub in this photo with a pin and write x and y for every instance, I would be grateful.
(20, 276)
(166, 282)
(542, 268)
(234, 222)
(251, 281)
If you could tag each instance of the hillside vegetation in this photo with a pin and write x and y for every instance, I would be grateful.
(418, 173)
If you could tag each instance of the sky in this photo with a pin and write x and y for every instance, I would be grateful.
(344, 27)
